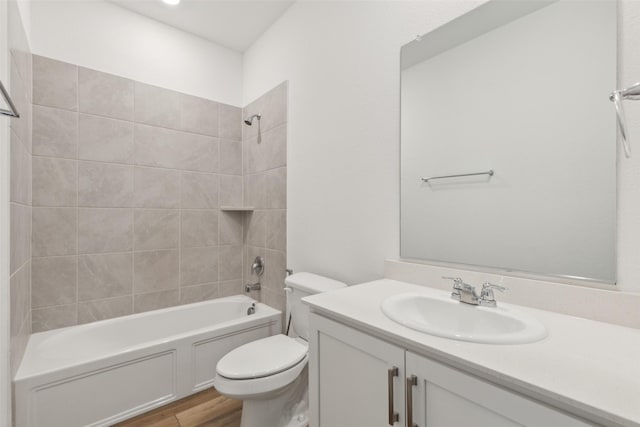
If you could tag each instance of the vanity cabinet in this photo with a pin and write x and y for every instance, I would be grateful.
(357, 380)
(354, 372)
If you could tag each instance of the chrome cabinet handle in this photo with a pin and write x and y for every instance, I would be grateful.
(411, 382)
(393, 415)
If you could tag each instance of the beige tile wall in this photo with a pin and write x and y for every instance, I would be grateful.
(127, 183)
(265, 188)
(20, 195)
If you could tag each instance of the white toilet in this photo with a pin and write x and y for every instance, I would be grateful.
(270, 374)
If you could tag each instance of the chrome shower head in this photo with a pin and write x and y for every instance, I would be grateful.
(249, 121)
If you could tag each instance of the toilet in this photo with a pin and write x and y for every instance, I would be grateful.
(270, 374)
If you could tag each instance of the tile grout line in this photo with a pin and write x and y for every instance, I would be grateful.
(133, 215)
(131, 207)
(230, 245)
(154, 125)
(21, 204)
(145, 166)
(30, 198)
(125, 295)
(77, 196)
(246, 225)
(219, 204)
(180, 191)
(221, 214)
(243, 252)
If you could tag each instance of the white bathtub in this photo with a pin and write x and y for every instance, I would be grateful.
(104, 372)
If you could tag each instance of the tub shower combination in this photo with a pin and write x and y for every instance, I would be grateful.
(104, 372)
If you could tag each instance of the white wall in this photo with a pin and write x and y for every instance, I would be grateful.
(100, 35)
(342, 63)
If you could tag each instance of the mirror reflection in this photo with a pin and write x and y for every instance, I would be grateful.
(513, 97)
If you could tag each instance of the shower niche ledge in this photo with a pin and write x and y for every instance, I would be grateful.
(237, 208)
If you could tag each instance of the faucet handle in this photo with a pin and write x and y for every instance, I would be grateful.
(490, 286)
(459, 285)
(486, 296)
(456, 280)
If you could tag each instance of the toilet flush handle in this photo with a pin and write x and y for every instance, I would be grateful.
(289, 272)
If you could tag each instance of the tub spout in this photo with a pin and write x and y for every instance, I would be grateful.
(252, 287)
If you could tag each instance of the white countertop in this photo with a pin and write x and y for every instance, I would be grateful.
(586, 367)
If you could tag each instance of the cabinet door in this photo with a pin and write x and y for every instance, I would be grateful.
(350, 377)
(445, 397)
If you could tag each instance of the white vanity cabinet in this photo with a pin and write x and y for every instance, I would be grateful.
(349, 374)
(357, 380)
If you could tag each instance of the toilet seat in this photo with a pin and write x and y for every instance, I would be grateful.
(288, 357)
(262, 358)
(257, 388)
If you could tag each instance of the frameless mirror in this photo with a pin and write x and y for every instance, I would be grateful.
(513, 97)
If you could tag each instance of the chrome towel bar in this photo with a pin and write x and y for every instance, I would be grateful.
(489, 172)
(13, 112)
(617, 96)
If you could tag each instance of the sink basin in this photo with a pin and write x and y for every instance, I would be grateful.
(448, 318)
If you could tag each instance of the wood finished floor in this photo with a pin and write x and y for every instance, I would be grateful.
(205, 409)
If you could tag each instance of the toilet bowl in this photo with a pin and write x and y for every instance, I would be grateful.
(270, 374)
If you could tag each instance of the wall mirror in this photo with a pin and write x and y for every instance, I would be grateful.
(513, 96)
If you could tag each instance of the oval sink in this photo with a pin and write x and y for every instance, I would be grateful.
(448, 318)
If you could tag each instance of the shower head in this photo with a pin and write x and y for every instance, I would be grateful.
(249, 121)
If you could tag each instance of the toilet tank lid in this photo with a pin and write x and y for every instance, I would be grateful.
(313, 283)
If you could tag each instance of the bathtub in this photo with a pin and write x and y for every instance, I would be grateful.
(104, 372)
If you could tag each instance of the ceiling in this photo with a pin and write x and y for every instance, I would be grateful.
(235, 24)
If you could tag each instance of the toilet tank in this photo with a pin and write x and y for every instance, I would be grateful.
(298, 286)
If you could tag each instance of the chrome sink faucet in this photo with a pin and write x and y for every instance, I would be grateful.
(467, 294)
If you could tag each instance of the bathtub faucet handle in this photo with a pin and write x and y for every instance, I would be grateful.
(257, 267)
